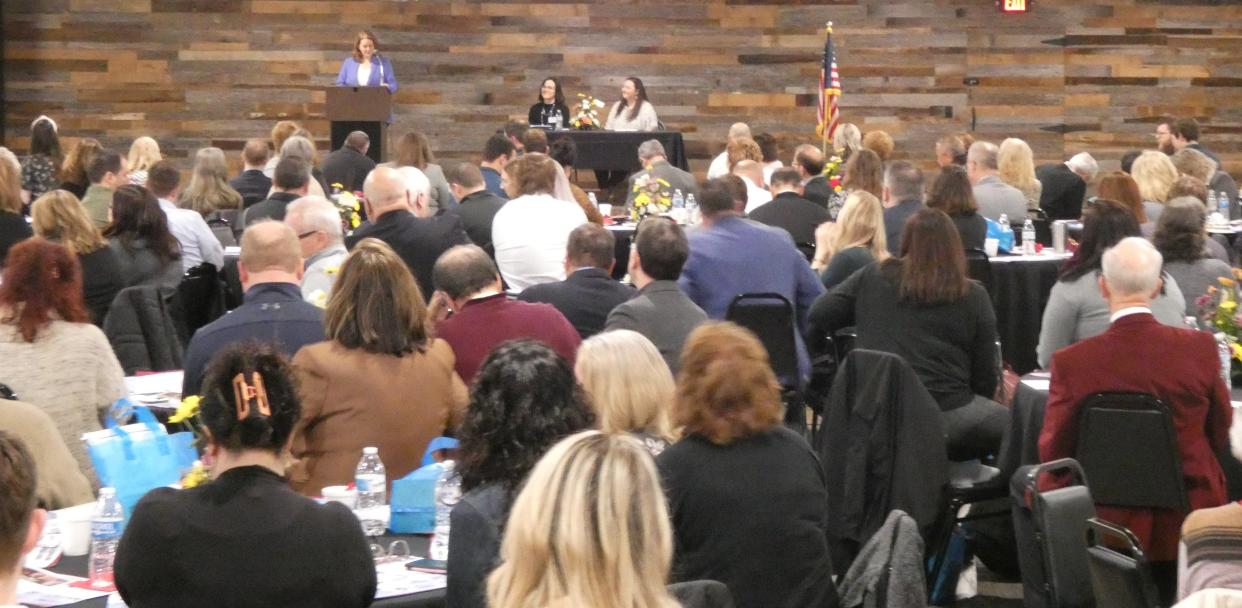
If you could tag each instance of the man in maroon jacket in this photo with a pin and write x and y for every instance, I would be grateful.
(468, 286)
(1137, 354)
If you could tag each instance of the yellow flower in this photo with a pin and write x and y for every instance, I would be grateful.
(1236, 349)
(337, 185)
(319, 298)
(188, 409)
(1227, 282)
(197, 476)
(331, 269)
(1228, 305)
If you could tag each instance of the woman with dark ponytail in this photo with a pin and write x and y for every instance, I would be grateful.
(244, 539)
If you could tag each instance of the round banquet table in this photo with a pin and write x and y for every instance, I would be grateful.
(1020, 288)
(1021, 444)
(76, 566)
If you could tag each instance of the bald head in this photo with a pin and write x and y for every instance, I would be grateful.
(750, 170)
(463, 271)
(738, 130)
(385, 190)
(270, 254)
(358, 141)
(808, 160)
(1131, 271)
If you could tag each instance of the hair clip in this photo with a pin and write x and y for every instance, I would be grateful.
(244, 394)
(41, 118)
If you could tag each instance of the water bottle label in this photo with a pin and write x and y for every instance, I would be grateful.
(106, 529)
(369, 483)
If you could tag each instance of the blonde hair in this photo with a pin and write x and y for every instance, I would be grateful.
(847, 139)
(1154, 173)
(281, 131)
(1016, 164)
(861, 224)
(10, 182)
(630, 385)
(209, 188)
(59, 216)
(591, 528)
(143, 153)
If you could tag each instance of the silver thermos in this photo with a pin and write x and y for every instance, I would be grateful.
(1058, 235)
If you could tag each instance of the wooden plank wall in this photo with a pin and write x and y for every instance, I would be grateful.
(1071, 75)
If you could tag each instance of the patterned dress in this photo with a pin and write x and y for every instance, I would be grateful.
(38, 175)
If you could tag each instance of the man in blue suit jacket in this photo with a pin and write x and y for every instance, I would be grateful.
(731, 255)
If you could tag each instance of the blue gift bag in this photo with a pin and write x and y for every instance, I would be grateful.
(1004, 237)
(141, 457)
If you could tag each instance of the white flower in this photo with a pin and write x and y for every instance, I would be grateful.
(599, 104)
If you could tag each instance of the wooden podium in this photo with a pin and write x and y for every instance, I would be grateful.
(366, 109)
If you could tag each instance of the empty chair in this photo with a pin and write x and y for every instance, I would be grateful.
(1120, 576)
(771, 317)
(1050, 528)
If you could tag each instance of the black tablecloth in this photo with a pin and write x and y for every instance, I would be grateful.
(1021, 444)
(618, 150)
(76, 566)
(1020, 292)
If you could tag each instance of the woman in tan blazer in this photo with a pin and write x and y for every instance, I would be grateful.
(379, 380)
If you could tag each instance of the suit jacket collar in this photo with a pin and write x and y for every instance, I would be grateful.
(787, 196)
(587, 274)
(264, 293)
(660, 286)
(1133, 321)
(475, 196)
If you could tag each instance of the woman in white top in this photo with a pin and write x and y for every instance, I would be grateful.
(530, 231)
(633, 112)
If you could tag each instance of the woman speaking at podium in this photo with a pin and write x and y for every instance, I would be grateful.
(366, 68)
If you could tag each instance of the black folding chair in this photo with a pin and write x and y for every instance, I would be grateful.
(1120, 575)
(1050, 528)
(200, 298)
(979, 268)
(771, 317)
(1150, 477)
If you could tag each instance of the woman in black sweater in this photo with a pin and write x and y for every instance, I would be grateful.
(245, 539)
(58, 216)
(923, 307)
(951, 193)
(747, 495)
(551, 103)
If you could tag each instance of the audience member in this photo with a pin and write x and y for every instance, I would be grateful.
(855, 241)
(106, 172)
(147, 253)
(1015, 164)
(1063, 186)
(477, 206)
(414, 150)
(1164, 136)
(1187, 379)
(923, 307)
(531, 231)
(318, 226)
(1127, 160)
(659, 311)
(21, 518)
(771, 161)
(208, 192)
(1186, 135)
(484, 316)
(513, 131)
(61, 483)
(951, 193)
(197, 546)
(1076, 310)
(593, 505)
(565, 152)
(864, 171)
(903, 197)
(400, 215)
(1180, 238)
(535, 140)
(951, 150)
(44, 331)
(281, 131)
(380, 380)
(302, 146)
(742, 149)
(73, 173)
(993, 196)
(588, 293)
(40, 168)
(143, 154)
(524, 402)
(1193, 163)
(630, 387)
(730, 255)
(349, 165)
(290, 182)
(1121, 188)
(273, 312)
(719, 166)
(1154, 173)
(497, 153)
(198, 244)
(58, 217)
(846, 141)
(656, 166)
(751, 173)
(739, 479)
(251, 183)
(879, 142)
(737, 190)
(809, 162)
(1211, 558)
(13, 226)
(792, 213)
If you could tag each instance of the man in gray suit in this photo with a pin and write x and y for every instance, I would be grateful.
(651, 155)
(660, 311)
(993, 196)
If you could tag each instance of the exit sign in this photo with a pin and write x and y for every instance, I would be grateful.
(1014, 6)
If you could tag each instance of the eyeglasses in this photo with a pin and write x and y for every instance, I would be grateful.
(398, 550)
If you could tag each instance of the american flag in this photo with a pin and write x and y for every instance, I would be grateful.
(829, 113)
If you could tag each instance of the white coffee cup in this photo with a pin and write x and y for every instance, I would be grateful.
(341, 494)
(75, 528)
(991, 247)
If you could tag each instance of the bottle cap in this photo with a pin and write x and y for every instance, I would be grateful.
(370, 450)
(107, 491)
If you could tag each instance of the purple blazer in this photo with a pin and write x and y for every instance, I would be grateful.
(381, 74)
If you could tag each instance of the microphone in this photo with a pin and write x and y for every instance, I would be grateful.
(379, 60)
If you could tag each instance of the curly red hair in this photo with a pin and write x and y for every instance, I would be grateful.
(726, 389)
(42, 282)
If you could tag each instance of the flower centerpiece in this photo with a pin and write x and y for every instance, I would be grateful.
(586, 115)
(832, 172)
(188, 414)
(348, 205)
(1218, 311)
(651, 196)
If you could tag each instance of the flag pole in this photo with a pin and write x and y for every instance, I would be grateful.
(824, 126)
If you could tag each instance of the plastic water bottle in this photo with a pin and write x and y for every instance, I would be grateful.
(448, 492)
(1222, 204)
(1222, 345)
(370, 480)
(679, 201)
(1004, 222)
(105, 536)
(1028, 237)
(692, 209)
